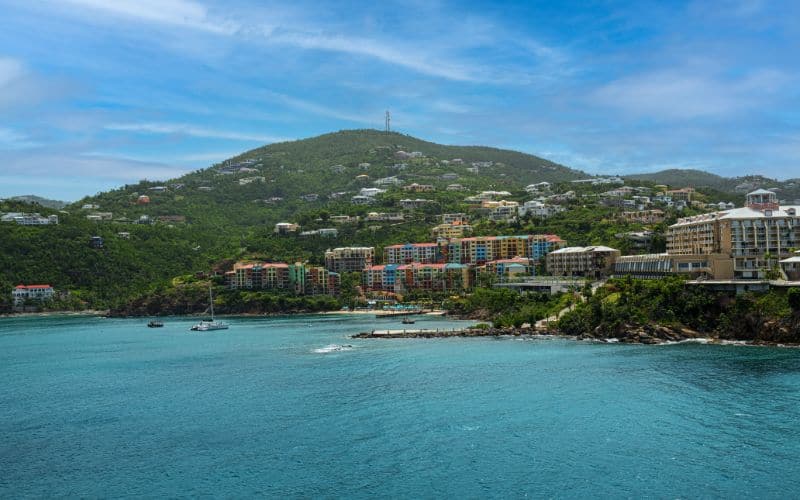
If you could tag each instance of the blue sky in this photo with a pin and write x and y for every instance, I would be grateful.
(97, 93)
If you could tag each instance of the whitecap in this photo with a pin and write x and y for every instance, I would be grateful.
(333, 348)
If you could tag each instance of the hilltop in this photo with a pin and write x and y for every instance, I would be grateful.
(331, 162)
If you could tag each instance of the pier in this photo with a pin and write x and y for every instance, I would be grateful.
(447, 332)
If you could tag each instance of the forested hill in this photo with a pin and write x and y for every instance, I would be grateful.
(330, 163)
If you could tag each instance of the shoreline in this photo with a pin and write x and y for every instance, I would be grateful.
(46, 314)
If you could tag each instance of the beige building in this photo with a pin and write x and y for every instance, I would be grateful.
(662, 264)
(594, 261)
(644, 216)
(754, 237)
(452, 230)
(349, 259)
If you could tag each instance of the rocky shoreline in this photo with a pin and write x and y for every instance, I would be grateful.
(626, 334)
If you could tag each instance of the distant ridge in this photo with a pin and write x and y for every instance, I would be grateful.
(45, 202)
(788, 189)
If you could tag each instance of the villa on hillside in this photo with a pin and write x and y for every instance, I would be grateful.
(27, 293)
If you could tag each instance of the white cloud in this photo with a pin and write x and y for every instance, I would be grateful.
(191, 130)
(181, 13)
(406, 56)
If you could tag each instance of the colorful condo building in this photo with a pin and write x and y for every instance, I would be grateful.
(412, 252)
(297, 278)
(454, 264)
(475, 251)
(401, 278)
(482, 249)
(741, 243)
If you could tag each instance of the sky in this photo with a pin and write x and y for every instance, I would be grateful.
(97, 93)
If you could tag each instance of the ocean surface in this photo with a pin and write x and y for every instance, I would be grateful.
(282, 407)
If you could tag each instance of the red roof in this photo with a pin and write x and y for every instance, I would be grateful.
(33, 286)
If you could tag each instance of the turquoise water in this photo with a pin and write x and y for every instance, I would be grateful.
(94, 407)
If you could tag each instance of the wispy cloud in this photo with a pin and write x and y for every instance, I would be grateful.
(422, 59)
(11, 139)
(191, 130)
(87, 166)
(181, 13)
(407, 57)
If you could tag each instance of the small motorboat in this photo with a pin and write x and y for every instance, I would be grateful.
(154, 324)
(407, 321)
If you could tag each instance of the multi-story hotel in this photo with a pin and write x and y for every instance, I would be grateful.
(742, 243)
(594, 261)
(349, 259)
(753, 238)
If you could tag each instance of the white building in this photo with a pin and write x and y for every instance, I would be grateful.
(388, 181)
(538, 209)
(371, 192)
(29, 219)
(39, 293)
(538, 187)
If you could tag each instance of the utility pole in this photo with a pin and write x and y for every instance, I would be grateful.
(388, 121)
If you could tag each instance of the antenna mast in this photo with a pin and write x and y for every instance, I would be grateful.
(388, 121)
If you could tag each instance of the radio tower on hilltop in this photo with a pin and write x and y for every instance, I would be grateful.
(388, 121)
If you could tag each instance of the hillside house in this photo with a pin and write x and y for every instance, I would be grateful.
(286, 228)
(30, 293)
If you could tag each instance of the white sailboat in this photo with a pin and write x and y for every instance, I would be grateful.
(206, 325)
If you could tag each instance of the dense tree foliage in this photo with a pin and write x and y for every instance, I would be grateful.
(626, 303)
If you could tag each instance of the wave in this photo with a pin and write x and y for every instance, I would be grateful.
(333, 348)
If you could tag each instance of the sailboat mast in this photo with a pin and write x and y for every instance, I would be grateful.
(211, 298)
